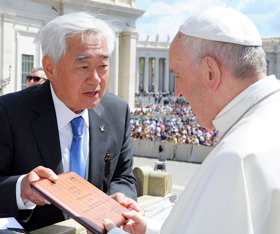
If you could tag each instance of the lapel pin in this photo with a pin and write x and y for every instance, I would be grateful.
(101, 128)
(107, 158)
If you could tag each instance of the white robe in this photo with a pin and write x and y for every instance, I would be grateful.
(236, 190)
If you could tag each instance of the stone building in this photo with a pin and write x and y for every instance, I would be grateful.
(135, 65)
(153, 73)
(152, 67)
(21, 20)
(272, 49)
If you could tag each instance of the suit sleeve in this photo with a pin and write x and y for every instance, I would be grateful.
(8, 205)
(123, 179)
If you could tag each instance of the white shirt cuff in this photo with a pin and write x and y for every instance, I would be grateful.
(116, 230)
(22, 206)
(153, 226)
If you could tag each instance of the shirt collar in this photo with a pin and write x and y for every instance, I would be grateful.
(63, 114)
(233, 110)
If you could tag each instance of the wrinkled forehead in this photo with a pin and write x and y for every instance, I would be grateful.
(175, 50)
(81, 44)
(176, 45)
(87, 36)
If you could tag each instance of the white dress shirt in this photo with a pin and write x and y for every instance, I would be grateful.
(63, 115)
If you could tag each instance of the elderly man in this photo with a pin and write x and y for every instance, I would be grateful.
(36, 76)
(39, 123)
(220, 68)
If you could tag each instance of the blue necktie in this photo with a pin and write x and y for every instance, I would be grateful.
(77, 160)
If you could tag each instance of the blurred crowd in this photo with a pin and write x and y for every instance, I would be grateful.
(170, 120)
(153, 98)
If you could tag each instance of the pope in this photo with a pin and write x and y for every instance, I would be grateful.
(221, 70)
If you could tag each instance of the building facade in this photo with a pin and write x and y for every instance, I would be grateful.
(135, 65)
(272, 49)
(152, 67)
(153, 73)
(21, 20)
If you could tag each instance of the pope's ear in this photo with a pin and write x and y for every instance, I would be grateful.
(49, 67)
(212, 72)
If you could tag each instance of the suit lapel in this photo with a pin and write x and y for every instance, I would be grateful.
(99, 131)
(45, 129)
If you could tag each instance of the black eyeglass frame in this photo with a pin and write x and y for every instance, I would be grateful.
(35, 78)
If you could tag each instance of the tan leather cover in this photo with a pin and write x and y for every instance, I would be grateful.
(81, 200)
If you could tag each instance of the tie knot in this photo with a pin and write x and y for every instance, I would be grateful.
(77, 125)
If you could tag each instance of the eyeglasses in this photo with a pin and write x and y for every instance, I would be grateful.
(35, 78)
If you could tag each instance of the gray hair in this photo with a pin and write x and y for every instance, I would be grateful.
(54, 34)
(242, 61)
(38, 69)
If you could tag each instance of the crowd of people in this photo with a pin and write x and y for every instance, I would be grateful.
(172, 121)
(153, 97)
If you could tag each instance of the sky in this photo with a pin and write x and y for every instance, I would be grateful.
(164, 17)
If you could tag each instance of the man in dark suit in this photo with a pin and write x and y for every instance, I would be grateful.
(35, 129)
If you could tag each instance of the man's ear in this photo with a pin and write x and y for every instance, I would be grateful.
(49, 67)
(212, 72)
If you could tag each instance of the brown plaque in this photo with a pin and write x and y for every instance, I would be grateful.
(81, 200)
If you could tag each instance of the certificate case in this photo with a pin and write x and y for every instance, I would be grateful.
(81, 200)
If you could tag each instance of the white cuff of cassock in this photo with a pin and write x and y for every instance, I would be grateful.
(22, 206)
(116, 230)
(153, 226)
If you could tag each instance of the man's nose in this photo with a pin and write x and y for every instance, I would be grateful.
(94, 77)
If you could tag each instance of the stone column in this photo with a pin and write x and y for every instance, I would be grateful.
(113, 81)
(277, 73)
(8, 38)
(166, 75)
(127, 66)
(137, 75)
(160, 78)
(270, 62)
(151, 86)
(156, 74)
(171, 82)
(146, 74)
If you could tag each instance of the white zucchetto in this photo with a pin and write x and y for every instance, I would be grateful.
(222, 24)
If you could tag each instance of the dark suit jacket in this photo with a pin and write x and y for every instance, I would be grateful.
(29, 138)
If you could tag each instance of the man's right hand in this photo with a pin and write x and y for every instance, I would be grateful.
(27, 193)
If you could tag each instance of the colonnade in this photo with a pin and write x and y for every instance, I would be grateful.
(153, 75)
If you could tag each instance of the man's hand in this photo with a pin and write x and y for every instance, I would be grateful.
(136, 225)
(128, 203)
(29, 194)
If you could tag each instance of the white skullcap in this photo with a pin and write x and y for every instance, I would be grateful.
(222, 24)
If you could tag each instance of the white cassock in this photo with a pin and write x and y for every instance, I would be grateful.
(236, 190)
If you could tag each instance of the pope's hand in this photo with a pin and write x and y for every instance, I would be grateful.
(136, 224)
(28, 194)
(128, 203)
